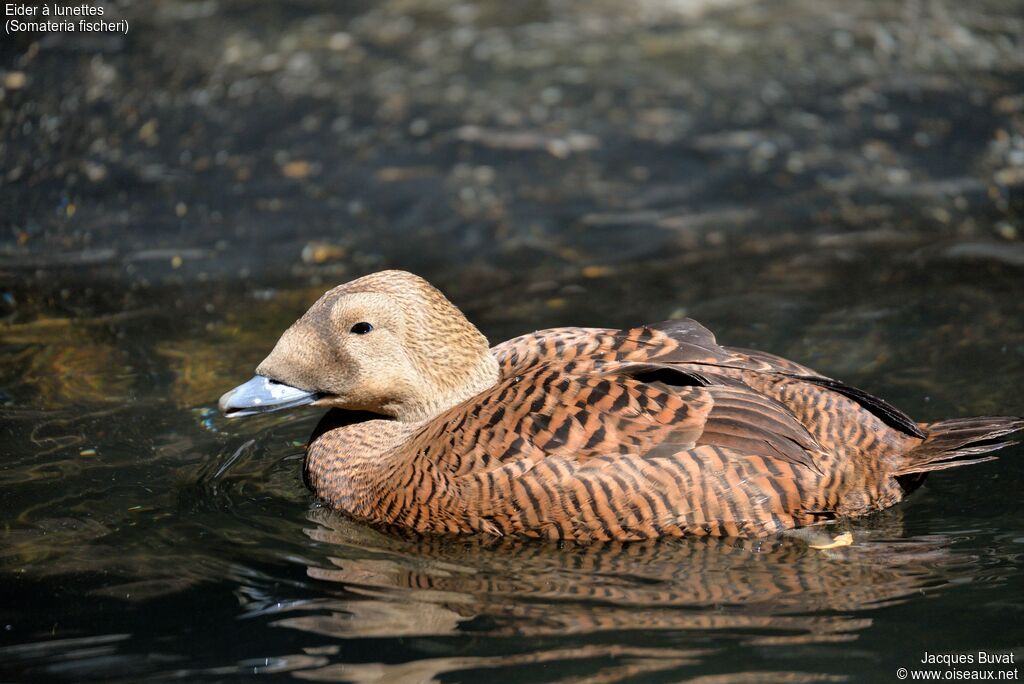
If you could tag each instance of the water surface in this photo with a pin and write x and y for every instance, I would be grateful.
(838, 183)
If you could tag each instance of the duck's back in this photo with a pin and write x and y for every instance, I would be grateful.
(656, 431)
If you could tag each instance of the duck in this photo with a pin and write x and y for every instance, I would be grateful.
(583, 434)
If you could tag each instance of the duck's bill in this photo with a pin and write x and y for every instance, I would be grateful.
(263, 395)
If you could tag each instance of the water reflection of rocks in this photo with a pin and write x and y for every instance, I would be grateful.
(608, 596)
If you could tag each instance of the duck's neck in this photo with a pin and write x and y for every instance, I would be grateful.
(446, 390)
(351, 466)
(355, 461)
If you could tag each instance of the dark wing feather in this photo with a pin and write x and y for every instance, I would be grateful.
(693, 343)
(884, 411)
(751, 423)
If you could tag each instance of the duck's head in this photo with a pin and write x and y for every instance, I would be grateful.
(388, 342)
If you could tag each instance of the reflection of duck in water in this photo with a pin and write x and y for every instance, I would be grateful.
(533, 602)
(579, 433)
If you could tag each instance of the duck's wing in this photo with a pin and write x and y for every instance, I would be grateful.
(575, 444)
(673, 341)
(674, 374)
(688, 345)
(683, 341)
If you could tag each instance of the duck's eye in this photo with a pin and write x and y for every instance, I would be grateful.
(361, 328)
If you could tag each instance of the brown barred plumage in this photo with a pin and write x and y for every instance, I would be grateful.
(588, 434)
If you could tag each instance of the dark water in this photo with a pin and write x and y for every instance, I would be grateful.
(838, 183)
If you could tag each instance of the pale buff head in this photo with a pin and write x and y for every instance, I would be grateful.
(388, 342)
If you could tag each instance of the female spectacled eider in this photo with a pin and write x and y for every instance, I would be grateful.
(583, 433)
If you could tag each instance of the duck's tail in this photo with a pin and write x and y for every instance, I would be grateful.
(956, 442)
